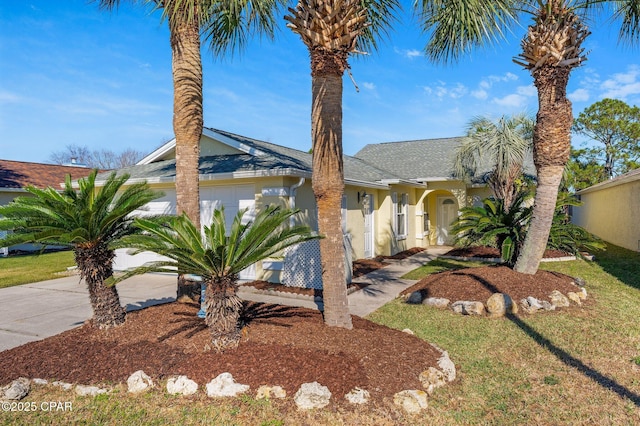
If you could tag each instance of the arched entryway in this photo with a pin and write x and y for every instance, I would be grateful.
(447, 212)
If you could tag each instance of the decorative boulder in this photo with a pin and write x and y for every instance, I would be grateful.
(547, 306)
(63, 385)
(181, 385)
(436, 302)
(583, 293)
(574, 297)
(412, 401)
(358, 396)
(468, 307)
(531, 305)
(312, 395)
(16, 390)
(579, 281)
(139, 382)
(40, 382)
(432, 379)
(447, 366)
(415, 298)
(558, 299)
(270, 392)
(225, 385)
(408, 331)
(498, 305)
(82, 390)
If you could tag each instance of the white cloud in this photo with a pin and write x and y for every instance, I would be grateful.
(513, 101)
(527, 91)
(369, 86)
(408, 53)
(488, 82)
(443, 90)
(579, 95)
(622, 85)
(480, 94)
(8, 97)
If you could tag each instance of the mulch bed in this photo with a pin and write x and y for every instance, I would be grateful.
(492, 252)
(281, 345)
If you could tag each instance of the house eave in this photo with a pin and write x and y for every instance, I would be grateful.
(620, 180)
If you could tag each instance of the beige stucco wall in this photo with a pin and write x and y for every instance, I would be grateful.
(611, 213)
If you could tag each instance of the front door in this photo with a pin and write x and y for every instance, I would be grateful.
(368, 226)
(447, 213)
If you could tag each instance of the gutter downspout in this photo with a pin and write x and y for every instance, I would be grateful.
(292, 198)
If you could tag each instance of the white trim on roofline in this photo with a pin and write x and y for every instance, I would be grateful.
(3, 189)
(403, 182)
(167, 147)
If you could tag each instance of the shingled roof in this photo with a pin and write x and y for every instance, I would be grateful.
(18, 174)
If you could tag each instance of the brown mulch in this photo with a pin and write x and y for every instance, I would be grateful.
(281, 345)
(492, 252)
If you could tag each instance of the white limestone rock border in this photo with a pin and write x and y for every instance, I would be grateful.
(225, 386)
(312, 395)
(181, 385)
(268, 392)
(16, 390)
(82, 390)
(139, 382)
(412, 401)
(358, 396)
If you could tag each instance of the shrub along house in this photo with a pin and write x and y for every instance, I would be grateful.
(397, 195)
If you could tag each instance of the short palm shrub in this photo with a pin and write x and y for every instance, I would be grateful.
(217, 257)
(489, 225)
(91, 221)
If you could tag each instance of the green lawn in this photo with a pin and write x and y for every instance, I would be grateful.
(561, 368)
(15, 270)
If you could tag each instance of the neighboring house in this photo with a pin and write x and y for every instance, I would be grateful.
(15, 175)
(610, 210)
(397, 195)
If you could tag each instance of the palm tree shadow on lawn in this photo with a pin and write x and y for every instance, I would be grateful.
(573, 362)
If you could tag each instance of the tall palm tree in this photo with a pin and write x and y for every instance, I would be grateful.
(90, 221)
(550, 51)
(217, 256)
(332, 30)
(501, 145)
(226, 25)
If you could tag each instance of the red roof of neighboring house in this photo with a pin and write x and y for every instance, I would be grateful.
(17, 174)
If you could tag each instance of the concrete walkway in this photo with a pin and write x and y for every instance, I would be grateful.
(35, 311)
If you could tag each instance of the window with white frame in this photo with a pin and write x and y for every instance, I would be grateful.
(400, 217)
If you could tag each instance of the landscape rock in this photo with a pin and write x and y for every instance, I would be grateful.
(16, 390)
(63, 385)
(82, 390)
(574, 297)
(432, 379)
(40, 382)
(312, 395)
(436, 302)
(224, 385)
(358, 396)
(548, 306)
(412, 401)
(468, 307)
(415, 298)
(447, 366)
(579, 281)
(181, 385)
(558, 299)
(531, 305)
(408, 331)
(139, 382)
(582, 293)
(268, 392)
(498, 305)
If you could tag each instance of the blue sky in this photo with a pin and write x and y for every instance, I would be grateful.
(71, 74)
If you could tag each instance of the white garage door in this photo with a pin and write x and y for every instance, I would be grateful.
(233, 198)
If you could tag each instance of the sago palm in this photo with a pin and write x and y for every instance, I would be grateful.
(551, 49)
(332, 30)
(501, 146)
(217, 257)
(91, 221)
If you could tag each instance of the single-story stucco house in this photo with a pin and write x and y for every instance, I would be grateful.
(398, 195)
(15, 175)
(610, 210)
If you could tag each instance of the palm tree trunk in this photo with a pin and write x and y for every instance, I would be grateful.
(551, 149)
(328, 180)
(223, 308)
(95, 265)
(187, 123)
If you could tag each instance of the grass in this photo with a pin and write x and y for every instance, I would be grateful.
(560, 368)
(16, 270)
